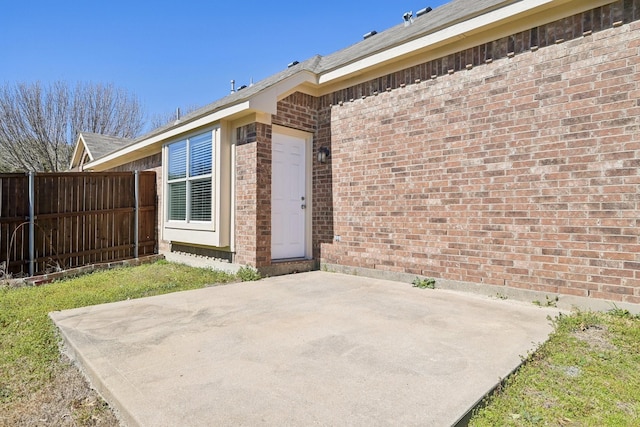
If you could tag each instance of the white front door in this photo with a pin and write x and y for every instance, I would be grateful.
(288, 197)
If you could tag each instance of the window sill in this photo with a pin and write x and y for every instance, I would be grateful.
(180, 225)
(188, 234)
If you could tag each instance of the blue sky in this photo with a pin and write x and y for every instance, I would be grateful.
(178, 53)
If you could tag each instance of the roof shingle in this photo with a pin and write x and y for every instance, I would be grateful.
(101, 145)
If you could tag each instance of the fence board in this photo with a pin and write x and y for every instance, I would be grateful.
(14, 210)
(81, 218)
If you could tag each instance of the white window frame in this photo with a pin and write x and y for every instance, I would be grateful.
(176, 230)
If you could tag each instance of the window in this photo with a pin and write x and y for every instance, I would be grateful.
(190, 179)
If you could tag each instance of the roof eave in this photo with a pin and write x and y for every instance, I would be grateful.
(456, 32)
(265, 101)
(113, 159)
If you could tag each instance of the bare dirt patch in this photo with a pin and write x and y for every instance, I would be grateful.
(597, 337)
(66, 401)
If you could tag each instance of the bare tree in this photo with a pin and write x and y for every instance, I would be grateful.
(39, 124)
(3, 167)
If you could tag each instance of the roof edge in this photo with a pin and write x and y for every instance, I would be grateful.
(76, 151)
(458, 31)
(170, 133)
(262, 101)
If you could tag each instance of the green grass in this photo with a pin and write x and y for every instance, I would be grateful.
(587, 374)
(29, 351)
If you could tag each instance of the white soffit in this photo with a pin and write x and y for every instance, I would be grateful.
(455, 32)
(267, 100)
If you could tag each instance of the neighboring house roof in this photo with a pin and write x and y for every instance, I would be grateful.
(448, 23)
(100, 145)
(96, 146)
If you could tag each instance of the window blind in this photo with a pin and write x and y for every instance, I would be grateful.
(177, 201)
(190, 179)
(200, 208)
(200, 155)
(177, 160)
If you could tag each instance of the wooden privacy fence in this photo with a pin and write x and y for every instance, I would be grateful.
(55, 221)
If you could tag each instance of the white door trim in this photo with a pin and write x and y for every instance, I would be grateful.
(308, 213)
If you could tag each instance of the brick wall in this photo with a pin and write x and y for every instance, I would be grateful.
(298, 111)
(253, 195)
(323, 210)
(518, 170)
(263, 194)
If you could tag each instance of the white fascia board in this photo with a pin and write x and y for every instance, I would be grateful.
(202, 121)
(454, 32)
(267, 100)
(77, 150)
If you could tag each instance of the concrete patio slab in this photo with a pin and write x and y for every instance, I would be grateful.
(306, 349)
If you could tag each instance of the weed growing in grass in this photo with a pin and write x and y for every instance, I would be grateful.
(429, 283)
(550, 302)
(248, 274)
(621, 312)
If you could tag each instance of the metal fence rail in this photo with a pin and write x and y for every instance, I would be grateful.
(56, 221)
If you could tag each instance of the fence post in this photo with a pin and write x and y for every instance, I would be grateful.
(136, 215)
(32, 210)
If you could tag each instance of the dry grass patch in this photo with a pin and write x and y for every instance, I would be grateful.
(66, 400)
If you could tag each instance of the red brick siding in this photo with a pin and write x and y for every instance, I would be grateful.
(298, 111)
(253, 195)
(323, 212)
(152, 162)
(520, 172)
(263, 195)
(245, 203)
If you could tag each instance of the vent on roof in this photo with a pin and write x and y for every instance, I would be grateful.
(233, 86)
(370, 34)
(408, 18)
(291, 64)
(423, 11)
(242, 87)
